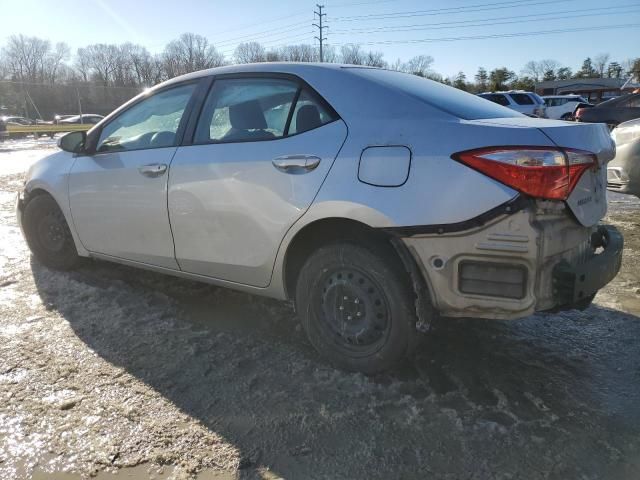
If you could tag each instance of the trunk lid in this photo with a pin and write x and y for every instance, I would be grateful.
(588, 201)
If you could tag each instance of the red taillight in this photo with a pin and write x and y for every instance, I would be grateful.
(579, 112)
(541, 172)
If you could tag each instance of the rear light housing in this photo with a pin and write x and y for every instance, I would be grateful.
(540, 172)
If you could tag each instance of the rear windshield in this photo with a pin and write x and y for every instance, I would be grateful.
(451, 100)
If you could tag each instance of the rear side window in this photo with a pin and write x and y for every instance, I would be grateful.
(308, 114)
(256, 109)
(521, 98)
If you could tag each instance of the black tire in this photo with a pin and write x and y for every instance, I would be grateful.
(356, 305)
(48, 234)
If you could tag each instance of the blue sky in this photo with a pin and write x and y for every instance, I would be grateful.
(153, 23)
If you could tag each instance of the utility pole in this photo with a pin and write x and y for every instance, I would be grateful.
(321, 38)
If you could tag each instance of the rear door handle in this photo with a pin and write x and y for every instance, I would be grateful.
(153, 169)
(296, 163)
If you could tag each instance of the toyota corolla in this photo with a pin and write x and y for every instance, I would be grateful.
(373, 200)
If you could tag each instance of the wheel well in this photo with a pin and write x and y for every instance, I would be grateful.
(37, 192)
(326, 231)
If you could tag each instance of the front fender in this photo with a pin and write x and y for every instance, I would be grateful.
(51, 175)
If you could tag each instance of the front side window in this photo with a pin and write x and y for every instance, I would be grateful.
(151, 123)
(238, 110)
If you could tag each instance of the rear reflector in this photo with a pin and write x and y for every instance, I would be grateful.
(541, 172)
(492, 279)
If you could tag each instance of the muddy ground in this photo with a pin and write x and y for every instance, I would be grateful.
(110, 369)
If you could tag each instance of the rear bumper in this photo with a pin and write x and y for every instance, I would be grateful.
(536, 259)
(574, 283)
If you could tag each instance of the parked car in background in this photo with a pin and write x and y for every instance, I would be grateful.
(529, 103)
(316, 183)
(88, 118)
(17, 120)
(85, 118)
(612, 112)
(563, 107)
(623, 172)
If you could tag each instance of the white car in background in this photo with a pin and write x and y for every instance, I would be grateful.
(563, 107)
(623, 172)
(529, 103)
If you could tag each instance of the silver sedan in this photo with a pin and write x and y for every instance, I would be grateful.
(373, 200)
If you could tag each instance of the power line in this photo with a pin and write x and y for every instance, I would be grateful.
(264, 34)
(497, 35)
(468, 24)
(249, 25)
(492, 19)
(447, 11)
(321, 38)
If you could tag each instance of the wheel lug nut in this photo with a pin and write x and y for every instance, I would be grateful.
(349, 317)
(357, 300)
(346, 298)
(341, 307)
(358, 314)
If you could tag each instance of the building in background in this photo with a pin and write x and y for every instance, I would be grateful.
(595, 90)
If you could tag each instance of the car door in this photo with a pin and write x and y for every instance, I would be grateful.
(260, 151)
(118, 193)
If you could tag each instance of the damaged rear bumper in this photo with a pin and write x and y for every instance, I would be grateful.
(534, 257)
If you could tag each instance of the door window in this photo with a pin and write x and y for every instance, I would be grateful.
(240, 110)
(151, 123)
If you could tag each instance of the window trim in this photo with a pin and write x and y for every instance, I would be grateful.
(94, 135)
(189, 137)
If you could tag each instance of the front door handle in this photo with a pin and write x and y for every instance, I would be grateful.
(296, 163)
(153, 169)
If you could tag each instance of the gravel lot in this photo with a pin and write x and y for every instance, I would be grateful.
(114, 370)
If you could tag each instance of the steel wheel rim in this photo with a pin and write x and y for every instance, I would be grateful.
(353, 310)
(51, 233)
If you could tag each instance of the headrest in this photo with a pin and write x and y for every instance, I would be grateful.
(307, 118)
(247, 116)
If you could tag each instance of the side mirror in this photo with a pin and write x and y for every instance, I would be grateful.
(73, 142)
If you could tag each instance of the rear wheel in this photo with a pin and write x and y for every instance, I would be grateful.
(357, 307)
(48, 234)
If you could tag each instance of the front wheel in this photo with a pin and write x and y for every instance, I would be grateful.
(357, 307)
(48, 234)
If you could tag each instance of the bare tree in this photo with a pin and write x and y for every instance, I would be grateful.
(249, 52)
(419, 65)
(25, 56)
(298, 53)
(374, 59)
(190, 52)
(600, 62)
(53, 63)
(352, 54)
